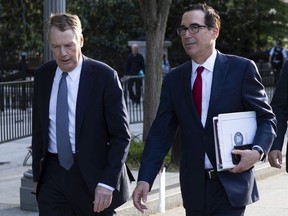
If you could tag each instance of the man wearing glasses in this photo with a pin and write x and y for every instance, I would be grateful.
(192, 94)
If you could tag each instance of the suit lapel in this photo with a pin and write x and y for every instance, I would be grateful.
(220, 71)
(46, 88)
(47, 91)
(186, 80)
(83, 96)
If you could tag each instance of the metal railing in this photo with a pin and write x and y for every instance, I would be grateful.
(133, 87)
(15, 110)
(16, 107)
(16, 104)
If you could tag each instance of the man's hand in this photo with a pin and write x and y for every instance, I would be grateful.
(275, 158)
(103, 198)
(140, 195)
(248, 160)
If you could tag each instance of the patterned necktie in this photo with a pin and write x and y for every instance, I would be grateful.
(64, 148)
(197, 90)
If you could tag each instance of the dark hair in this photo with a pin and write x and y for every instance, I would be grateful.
(212, 17)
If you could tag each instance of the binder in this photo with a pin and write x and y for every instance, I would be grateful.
(232, 130)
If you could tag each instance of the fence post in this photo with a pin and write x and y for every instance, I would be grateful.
(162, 189)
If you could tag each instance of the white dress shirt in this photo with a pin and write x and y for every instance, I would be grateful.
(72, 79)
(207, 76)
(72, 87)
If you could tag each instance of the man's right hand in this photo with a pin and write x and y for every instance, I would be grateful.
(140, 195)
(275, 158)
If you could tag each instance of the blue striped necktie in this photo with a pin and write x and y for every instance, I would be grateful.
(64, 148)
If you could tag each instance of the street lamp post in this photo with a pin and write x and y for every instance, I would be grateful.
(28, 199)
(51, 6)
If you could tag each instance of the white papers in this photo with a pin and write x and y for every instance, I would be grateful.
(232, 129)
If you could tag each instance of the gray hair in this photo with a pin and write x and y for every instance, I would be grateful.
(63, 22)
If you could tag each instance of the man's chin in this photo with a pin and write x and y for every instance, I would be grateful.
(191, 52)
(66, 67)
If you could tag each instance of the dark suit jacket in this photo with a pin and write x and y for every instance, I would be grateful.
(102, 133)
(279, 104)
(236, 87)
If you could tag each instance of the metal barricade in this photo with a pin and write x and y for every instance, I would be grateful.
(133, 87)
(16, 104)
(15, 110)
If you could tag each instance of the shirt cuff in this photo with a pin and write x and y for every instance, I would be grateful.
(106, 186)
(259, 147)
(261, 152)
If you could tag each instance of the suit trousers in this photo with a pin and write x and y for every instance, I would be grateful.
(216, 202)
(64, 193)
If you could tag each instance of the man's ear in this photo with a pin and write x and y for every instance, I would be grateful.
(81, 41)
(215, 33)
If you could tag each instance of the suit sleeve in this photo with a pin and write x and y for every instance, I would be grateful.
(118, 129)
(160, 137)
(279, 104)
(255, 98)
(37, 153)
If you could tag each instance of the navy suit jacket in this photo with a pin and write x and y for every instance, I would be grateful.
(279, 104)
(236, 87)
(102, 128)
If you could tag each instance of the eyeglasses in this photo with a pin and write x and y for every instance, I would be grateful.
(192, 29)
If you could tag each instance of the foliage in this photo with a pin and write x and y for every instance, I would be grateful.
(245, 24)
(135, 152)
(108, 27)
(20, 24)
(249, 27)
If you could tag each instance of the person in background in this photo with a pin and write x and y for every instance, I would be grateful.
(165, 65)
(279, 104)
(80, 137)
(135, 67)
(277, 55)
(192, 94)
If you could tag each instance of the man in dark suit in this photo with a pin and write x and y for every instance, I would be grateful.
(279, 104)
(229, 84)
(95, 181)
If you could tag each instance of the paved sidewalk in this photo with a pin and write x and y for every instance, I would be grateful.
(12, 155)
(273, 190)
(273, 199)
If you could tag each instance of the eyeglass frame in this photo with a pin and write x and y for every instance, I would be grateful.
(189, 27)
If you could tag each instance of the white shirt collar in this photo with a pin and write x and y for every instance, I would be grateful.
(74, 74)
(208, 64)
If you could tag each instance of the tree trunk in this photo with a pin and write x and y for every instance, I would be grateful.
(154, 14)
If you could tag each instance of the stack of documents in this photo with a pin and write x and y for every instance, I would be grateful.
(230, 130)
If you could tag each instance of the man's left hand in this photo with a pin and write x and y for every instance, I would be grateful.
(248, 160)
